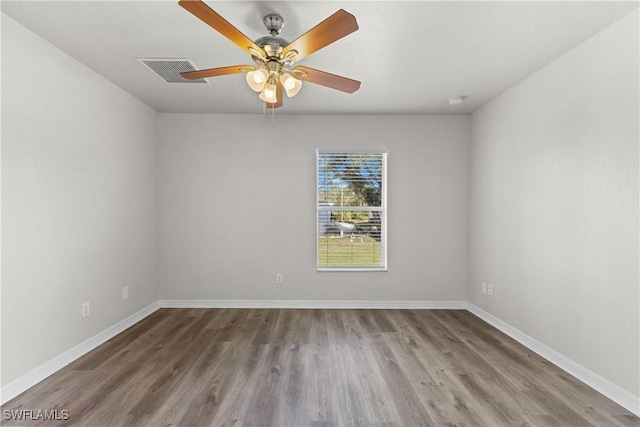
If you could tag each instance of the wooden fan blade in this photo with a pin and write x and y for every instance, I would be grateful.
(221, 25)
(214, 72)
(279, 96)
(333, 28)
(326, 79)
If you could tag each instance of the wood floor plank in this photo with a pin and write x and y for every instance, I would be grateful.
(318, 330)
(447, 357)
(438, 397)
(382, 320)
(117, 343)
(366, 394)
(481, 378)
(179, 405)
(360, 327)
(175, 370)
(531, 377)
(227, 322)
(403, 395)
(213, 404)
(290, 367)
(290, 410)
(322, 379)
(258, 326)
(336, 332)
(285, 328)
(128, 369)
(237, 376)
(264, 393)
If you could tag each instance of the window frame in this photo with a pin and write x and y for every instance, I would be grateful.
(383, 209)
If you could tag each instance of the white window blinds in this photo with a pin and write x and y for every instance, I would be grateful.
(351, 210)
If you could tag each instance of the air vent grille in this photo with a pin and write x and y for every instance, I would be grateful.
(169, 69)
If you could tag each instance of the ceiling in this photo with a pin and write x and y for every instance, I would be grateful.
(411, 57)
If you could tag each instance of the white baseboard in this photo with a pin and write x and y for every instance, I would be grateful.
(619, 395)
(328, 304)
(38, 374)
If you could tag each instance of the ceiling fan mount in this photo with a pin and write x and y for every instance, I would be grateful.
(275, 57)
(274, 23)
(272, 44)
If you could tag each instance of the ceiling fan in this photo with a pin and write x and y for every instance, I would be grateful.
(274, 57)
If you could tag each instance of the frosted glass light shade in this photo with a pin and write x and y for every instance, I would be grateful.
(269, 93)
(256, 79)
(290, 84)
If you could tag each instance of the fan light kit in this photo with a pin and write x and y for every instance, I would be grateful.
(274, 57)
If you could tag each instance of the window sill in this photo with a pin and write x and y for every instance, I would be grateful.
(351, 269)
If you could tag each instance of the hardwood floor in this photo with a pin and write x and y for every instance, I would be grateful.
(259, 367)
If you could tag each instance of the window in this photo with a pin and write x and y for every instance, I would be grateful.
(351, 210)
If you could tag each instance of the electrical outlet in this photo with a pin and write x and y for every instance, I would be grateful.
(279, 279)
(484, 287)
(85, 309)
(125, 293)
(490, 290)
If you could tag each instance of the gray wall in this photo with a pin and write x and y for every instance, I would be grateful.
(554, 205)
(237, 206)
(79, 174)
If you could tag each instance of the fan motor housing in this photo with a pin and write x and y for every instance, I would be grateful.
(272, 45)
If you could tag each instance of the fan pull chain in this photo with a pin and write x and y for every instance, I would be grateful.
(273, 114)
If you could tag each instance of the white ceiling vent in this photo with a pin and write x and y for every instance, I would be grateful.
(169, 69)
